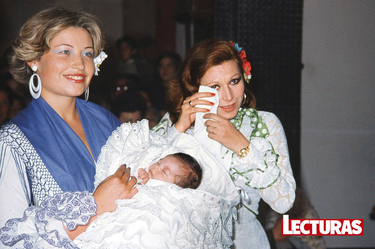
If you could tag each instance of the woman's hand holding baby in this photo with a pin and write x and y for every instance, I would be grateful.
(114, 187)
(117, 186)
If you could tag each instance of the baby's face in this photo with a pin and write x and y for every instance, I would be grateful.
(166, 169)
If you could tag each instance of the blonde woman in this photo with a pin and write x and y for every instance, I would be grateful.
(50, 148)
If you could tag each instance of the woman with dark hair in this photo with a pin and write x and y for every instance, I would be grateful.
(130, 107)
(49, 149)
(168, 64)
(250, 144)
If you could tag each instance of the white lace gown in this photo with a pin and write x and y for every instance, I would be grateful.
(264, 173)
(161, 214)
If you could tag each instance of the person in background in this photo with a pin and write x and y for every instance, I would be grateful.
(131, 62)
(49, 149)
(153, 117)
(251, 144)
(127, 48)
(129, 107)
(16, 87)
(123, 83)
(17, 105)
(16, 100)
(168, 64)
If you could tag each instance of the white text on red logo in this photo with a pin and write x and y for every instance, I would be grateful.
(312, 227)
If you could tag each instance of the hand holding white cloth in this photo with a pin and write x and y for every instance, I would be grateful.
(200, 130)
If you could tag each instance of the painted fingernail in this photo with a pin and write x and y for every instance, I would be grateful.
(207, 110)
(212, 103)
(213, 94)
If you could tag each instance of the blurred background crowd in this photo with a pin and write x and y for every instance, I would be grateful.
(135, 89)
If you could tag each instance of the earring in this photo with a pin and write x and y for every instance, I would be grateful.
(87, 93)
(35, 91)
(244, 98)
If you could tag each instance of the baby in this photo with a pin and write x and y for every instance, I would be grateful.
(177, 214)
(179, 168)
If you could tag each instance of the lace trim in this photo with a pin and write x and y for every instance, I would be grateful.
(127, 146)
(280, 196)
(279, 192)
(42, 183)
(71, 208)
(163, 216)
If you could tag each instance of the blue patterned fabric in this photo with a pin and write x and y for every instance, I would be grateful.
(59, 147)
(40, 157)
(71, 208)
(38, 177)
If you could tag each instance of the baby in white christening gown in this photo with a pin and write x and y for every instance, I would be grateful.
(179, 168)
(165, 213)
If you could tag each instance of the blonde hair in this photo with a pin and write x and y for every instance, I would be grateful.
(36, 34)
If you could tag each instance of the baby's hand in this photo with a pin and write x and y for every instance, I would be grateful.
(143, 176)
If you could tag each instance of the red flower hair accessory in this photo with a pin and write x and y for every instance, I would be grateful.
(245, 63)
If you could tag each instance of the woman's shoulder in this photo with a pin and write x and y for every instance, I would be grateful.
(266, 113)
(272, 122)
(253, 113)
(8, 128)
(268, 117)
(12, 136)
(258, 116)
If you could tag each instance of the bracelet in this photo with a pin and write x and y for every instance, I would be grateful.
(244, 152)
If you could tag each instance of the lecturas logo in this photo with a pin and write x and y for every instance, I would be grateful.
(321, 227)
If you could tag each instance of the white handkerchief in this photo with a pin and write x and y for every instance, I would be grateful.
(200, 132)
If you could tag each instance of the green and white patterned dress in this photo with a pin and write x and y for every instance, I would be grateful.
(264, 173)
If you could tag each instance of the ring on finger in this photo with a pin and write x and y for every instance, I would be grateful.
(190, 104)
(213, 130)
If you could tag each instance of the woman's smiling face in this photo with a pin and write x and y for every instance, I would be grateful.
(67, 67)
(228, 81)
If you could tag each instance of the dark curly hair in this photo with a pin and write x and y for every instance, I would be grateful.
(192, 172)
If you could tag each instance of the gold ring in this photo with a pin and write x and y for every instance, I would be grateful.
(213, 129)
(190, 104)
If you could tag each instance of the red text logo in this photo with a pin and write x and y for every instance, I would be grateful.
(315, 227)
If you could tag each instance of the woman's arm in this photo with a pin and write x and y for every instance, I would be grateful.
(280, 195)
(62, 217)
(117, 186)
(21, 222)
(14, 186)
(266, 168)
